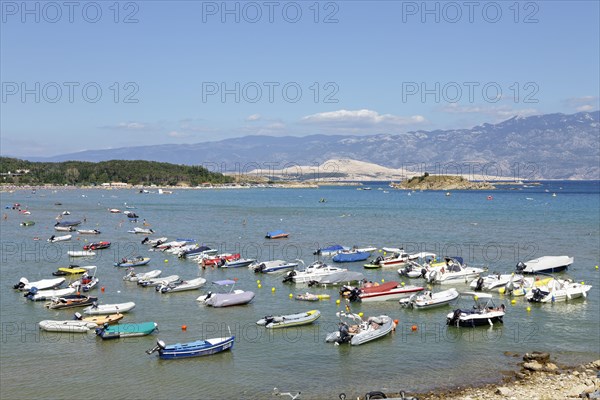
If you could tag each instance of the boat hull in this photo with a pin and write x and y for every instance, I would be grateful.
(126, 330)
(196, 349)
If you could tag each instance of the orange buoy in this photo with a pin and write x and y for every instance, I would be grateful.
(414, 328)
(396, 321)
(102, 289)
(183, 327)
(490, 198)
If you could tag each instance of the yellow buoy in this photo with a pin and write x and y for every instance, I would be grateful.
(259, 285)
(583, 283)
(272, 289)
(383, 280)
(360, 314)
(166, 261)
(291, 295)
(501, 290)
(476, 298)
(258, 281)
(596, 267)
(528, 309)
(513, 302)
(402, 283)
(380, 250)
(337, 301)
(384, 253)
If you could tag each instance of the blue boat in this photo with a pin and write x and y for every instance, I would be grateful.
(351, 256)
(126, 330)
(192, 349)
(279, 234)
(67, 223)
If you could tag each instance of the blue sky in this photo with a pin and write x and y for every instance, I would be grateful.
(193, 71)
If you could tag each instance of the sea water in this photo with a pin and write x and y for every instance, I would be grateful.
(516, 224)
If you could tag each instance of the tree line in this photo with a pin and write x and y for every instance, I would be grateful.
(134, 172)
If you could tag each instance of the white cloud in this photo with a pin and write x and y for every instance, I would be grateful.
(585, 107)
(253, 117)
(583, 103)
(178, 135)
(364, 118)
(132, 126)
(498, 112)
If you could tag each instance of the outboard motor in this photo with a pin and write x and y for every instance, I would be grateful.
(479, 284)
(538, 295)
(378, 260)
(21, 284)
(424, 273)
(77, 316)
(31, 293)
(455, 317)
(269, 319)
(159, 345)
(345, 336)
(289, 277)
(260, 268)
(520, 266)
(354, 295)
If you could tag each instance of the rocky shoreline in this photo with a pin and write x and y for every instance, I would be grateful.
(442, 182)
(539, 378)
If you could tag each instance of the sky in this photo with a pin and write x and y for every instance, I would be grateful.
(88, 75)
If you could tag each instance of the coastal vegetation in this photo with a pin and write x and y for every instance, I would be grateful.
(138, 172)
(441, 182)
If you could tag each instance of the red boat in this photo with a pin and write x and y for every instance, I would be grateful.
(97, 246)
(386, 291)
(219, 259)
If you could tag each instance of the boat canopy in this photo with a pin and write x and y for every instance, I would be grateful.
(478, 295)
(459, 259)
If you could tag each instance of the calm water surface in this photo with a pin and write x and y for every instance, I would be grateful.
(516, 225)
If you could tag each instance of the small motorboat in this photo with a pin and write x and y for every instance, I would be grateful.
(386, 291)
(338, 278)
(108, 331)
(42, 284)
(70, 301)
(80, 253)
(27, 223)
(429, 299)
(88, 231)
(196, 251)
(71, 270)
(239, 263)
(133, 262)
(234, 297)
(66, 212)
(54, 239)
(284, 321)
(520, 287)
(312, 297)
(67, 223)
(271, 267)
(70, 326)
(397, 259)
(39, 295)
(87, 282)
(59, 228)
(133, 276)
(483, 313)
(97, 246)
(102, 309)
(493, 281)
(192, 349)
(143, 231)
(558, 290)
(351, 256)
(313, 272)
(153, 282)
(219, 259)
(181, 286)
(454, 271)
(330, 250)
(545, 264)
(356, 331)
(154, 242)
(100, 320)
(114, 210)
(278, 234)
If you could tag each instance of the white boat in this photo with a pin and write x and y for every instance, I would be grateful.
(132, 276)
(520, 287)
(545, 264)
(54, 239)
(102, 309)
(396, 259)
(181, 286)
(59, 228)
(413, 269)
(80, 253)
(558, 290)
(271, 267)
(284, 321)
(154, 242)
(386, 291)
(168, 245)
(86, 282)
(483, 313)
(114, 210)
(429, 299)
(493, 281)
(233, 297)
(88, 231)
(40, 295)
(361, 331)
(454, 271)
(158, 281)
(239, 263)
(144, 231)
(42, 284)
(71, 326)
(313, 272)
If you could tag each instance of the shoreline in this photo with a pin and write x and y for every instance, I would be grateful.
(538, 378)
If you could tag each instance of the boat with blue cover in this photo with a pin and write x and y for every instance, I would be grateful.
(126, 330)
(351, 256)
(278, 234)
(192, 349)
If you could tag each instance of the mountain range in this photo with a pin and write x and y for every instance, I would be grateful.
(549, 146)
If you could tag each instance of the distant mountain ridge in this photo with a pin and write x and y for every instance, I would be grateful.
(550, 146)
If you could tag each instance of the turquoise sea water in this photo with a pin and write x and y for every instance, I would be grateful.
(517, 225)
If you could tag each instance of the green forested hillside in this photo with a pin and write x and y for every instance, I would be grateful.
(86, 173)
